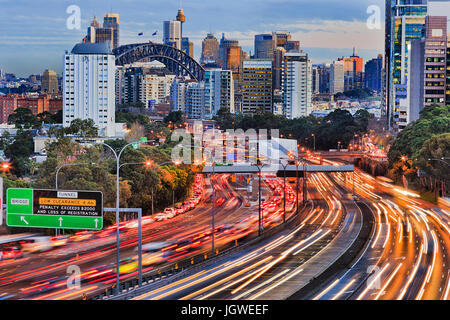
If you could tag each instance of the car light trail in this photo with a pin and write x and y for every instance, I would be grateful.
(343, 289)
(388, 281)
(373, 282)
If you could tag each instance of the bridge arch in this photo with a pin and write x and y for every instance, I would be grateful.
(176, 61)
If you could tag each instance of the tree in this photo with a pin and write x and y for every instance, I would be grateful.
(46, 117)
(23, 118)
(175, 117)
(82, 128)
(437, 147)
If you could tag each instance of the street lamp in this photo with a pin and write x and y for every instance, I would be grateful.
(314, 136)
(441, 160)
(118, 156)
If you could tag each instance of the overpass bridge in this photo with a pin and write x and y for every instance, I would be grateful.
(290, 170)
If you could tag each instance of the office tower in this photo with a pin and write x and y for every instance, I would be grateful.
(210, 49)
(426, 78)
(284, 40)
(111, 20)
(323, 71)
(232, 58)
(372, 73)
(405, 20)
(49, 83)
(337, 80)
(264, 46)
(435, 60)
(145, 82)
(278, 57)
(219, 92)
(98, 34)
(297, 85)
(257, 90)
(415, 83)
(89, 86)
(315, 80)
(172, 34)
(353, 68)
(187, 47)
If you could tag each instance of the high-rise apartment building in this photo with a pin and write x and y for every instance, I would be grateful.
(210, 49)
(172, 33)
(49, 82)
(219, 92)
(89, 86)
(297, 85)
(257, 86)
(145, 82)
(337, 79)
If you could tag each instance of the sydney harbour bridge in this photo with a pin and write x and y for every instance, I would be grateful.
(176, 61)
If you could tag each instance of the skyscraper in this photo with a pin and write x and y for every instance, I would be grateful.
(109, 32)
(297, 85)
(264, 46)
(257, 90)
(372, 73)
(405, 20)
(210, 49)
(353, 68)
(111, 20)
(187, 47)
(172, 33)
(49, 83)
(435, 60)
(232, 58)
(89, 86)
(337, 80)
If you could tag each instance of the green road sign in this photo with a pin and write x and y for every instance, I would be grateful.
(54, 209)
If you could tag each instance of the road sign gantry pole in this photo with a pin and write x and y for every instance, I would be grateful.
(63, 166)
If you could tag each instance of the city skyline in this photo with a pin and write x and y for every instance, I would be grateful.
(37, 40)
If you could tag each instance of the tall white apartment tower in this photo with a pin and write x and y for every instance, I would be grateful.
(297, 85)
(89, 86)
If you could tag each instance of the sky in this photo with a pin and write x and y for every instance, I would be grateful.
(34, 34)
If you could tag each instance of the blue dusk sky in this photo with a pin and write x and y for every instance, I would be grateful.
(34, 35)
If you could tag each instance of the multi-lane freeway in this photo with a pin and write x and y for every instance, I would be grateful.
(385, 244)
